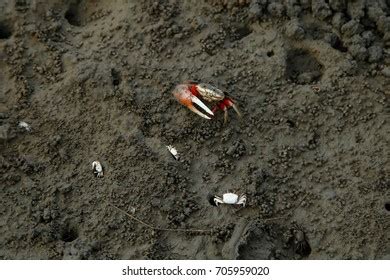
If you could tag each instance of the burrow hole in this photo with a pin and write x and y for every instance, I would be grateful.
(69, 233)
(210, 199)
(302, 67)
(5, 30)
(115, 77)
(21, 5)
(338, 45)
(290, 123)
(241, 32)
(72, 15)
(387, 206)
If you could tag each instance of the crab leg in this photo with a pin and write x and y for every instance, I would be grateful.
(236, 109)
(225, 115)
(229, 103)
(224, 105)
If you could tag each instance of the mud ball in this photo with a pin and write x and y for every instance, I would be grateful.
(334, 41)
(338, 20)
(375, 54)
(276, 9)
(383, 24)
(6, 132)
(320, 9)
(294, 30)
(337, 5)
(293, 9)
(255, 10)
(351, 28)
(368, 37)
(359, 52)
(356, 9)
(386, 72)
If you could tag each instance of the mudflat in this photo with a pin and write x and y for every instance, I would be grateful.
(94, 80)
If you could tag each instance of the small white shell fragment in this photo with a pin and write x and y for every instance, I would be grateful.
(24, 125)
(97, 168)
(173, 152)
(230, 198)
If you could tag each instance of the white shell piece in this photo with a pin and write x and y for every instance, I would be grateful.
(97, 169)
(97, 166)
(24, 125)
(230, 198)
(173, 151)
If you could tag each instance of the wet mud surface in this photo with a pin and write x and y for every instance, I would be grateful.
(94, 81)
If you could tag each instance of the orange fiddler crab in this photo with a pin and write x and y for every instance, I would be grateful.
(190, 93)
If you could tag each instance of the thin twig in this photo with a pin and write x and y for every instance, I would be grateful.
(289, 212)
(160, 228)
(194, 230)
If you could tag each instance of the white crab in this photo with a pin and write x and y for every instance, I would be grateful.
(173, 152)
(97, 169)
(230, 198)
(24, 125)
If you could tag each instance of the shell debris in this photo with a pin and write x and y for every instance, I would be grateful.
(97, 169)
(24, 125)
(173, 152)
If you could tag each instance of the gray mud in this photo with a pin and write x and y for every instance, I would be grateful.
(94, 79)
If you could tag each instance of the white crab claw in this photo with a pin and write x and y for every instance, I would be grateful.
(202, 105)
(186, 98)
(196, 111)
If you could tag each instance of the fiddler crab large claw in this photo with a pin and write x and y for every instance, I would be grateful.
(190, 93)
